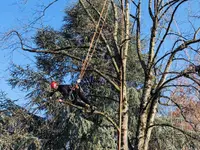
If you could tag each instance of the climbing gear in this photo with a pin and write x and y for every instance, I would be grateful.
(78, 81)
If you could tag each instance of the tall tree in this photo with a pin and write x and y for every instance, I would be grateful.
(160, 71)
(113, 44)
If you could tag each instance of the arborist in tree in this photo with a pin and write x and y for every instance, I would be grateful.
(72, 93)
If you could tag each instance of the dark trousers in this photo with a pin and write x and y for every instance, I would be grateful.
(78, 93)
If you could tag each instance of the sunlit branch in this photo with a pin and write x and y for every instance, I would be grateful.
(167, 30)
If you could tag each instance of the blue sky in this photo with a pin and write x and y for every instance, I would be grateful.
(16, 14)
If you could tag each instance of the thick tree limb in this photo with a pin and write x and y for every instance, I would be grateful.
(138, 40)
(95, 112)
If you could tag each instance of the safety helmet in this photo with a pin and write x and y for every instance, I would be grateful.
(54, 84)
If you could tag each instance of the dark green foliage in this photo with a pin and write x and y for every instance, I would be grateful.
(134, 103)
(65, 127)
(17, 126)
(48, 38)
(135, 75)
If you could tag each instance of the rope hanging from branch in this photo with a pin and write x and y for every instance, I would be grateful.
(96, 36)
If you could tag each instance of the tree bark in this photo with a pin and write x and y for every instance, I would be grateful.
(151, 118)
(142, 122)
(123, 91)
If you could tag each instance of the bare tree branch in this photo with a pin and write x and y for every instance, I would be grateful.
(189, 134)
(43, 12)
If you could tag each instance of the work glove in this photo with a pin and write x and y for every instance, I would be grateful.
(78, 81)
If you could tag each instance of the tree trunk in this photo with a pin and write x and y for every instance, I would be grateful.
(142, 128)
(146, 120)
(123, 91)
(150, 121)
(124, 119)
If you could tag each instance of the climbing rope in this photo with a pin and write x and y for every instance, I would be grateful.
(96, 34)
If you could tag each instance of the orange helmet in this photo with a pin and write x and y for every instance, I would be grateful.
(54, 84)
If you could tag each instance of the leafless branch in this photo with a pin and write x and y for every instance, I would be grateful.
(189, 134)
(43, 12)
(150, 10)
(167, 30)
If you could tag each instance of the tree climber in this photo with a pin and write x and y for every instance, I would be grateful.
(72, 93)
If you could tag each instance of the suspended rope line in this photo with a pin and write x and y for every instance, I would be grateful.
(96, 34)
(100, 31)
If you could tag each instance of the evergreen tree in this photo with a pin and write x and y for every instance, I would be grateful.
(18, 126)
